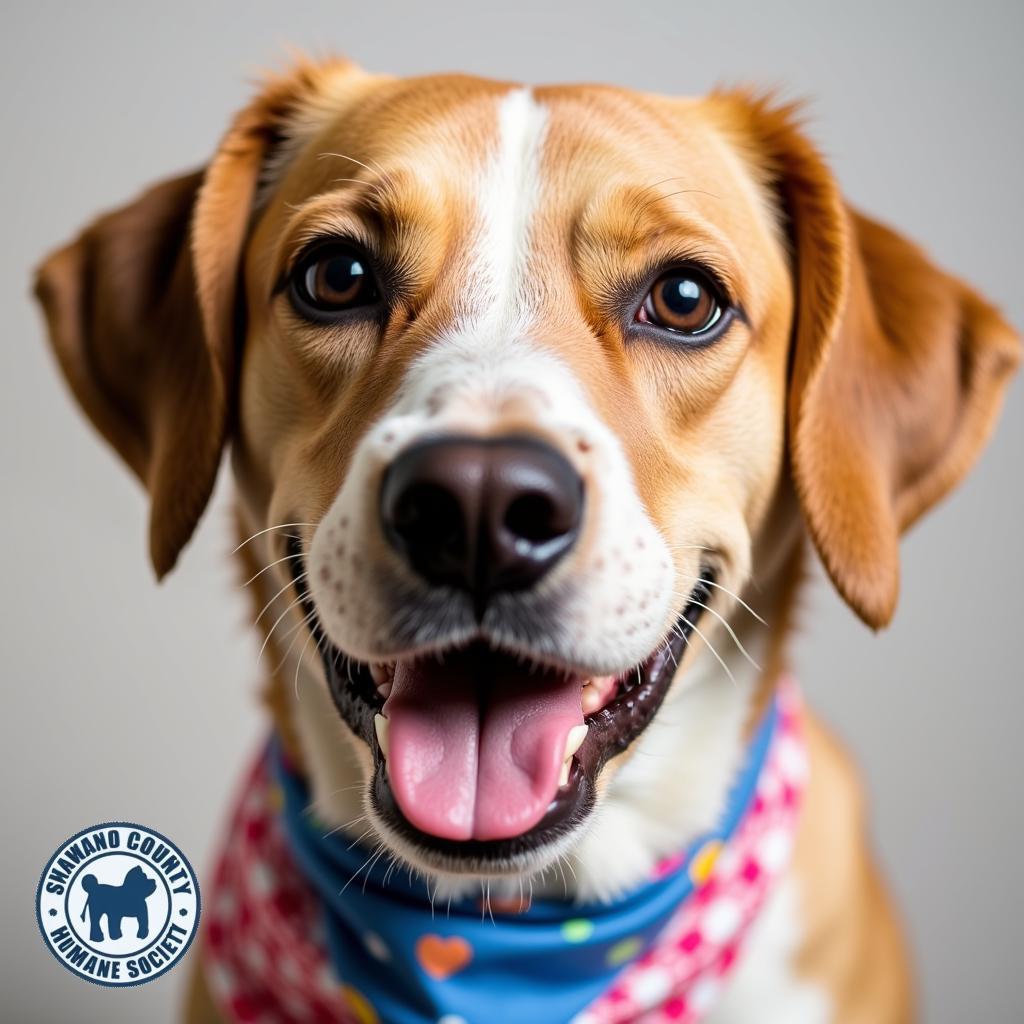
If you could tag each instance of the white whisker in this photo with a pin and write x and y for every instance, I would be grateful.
(710, 647)
(361, 181)
(359, 838)
(373, 170)
(731, 632)
(294, 633)
(369, 868)
(561, 871)
(285, 558)
(726, 590)
(335, 792)
(301, 576)
(342, 828)
(359, 870)
(280, 618)
(298, 663)
(259, 533)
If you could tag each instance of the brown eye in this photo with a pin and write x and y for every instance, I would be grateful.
(682, 301)
(333, 280)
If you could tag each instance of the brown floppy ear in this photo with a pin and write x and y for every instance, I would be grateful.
(144, 312)
(898, 372)
(124, 321)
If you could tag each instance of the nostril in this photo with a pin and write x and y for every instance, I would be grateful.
(427, 512)
(534, 517)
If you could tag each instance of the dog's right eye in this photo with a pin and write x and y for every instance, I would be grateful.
(331, 280)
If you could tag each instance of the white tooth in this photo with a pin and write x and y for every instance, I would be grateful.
(381, 674)
(380, 724)
(384, 689)
(591, 699)
(573, 742)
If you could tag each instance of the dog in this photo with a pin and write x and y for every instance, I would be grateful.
(118, 902)
(525, 389)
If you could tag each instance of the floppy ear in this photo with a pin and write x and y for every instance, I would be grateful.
(144, 313)
(124, 321)
(898, 373)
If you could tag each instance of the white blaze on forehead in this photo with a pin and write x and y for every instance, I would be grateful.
(507, 195)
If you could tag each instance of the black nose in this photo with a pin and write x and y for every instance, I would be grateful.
(481, 514)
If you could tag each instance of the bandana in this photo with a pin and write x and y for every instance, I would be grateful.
(304, 925)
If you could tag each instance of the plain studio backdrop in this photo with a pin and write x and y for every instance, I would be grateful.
(124, 700)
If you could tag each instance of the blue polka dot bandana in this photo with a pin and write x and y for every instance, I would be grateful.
(307, 925)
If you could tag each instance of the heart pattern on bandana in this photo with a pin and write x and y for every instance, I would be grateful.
(440, 957)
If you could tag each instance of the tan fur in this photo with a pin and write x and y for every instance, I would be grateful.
(857, 389)
(853, 943)
(199, 1006)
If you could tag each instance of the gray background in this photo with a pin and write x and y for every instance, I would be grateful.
(122, 699)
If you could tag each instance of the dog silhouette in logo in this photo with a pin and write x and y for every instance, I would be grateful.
(118, 902)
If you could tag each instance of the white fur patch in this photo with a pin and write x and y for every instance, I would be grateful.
(507, 194)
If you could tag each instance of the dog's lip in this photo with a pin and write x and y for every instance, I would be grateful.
(611, 730)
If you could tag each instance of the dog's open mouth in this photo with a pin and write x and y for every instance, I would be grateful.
(482, 756)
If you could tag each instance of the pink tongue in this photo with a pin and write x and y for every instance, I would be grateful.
(475, 745)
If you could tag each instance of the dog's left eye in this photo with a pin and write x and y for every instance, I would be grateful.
(682, 301)
(332, 280)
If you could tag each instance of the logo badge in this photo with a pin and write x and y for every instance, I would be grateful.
(118, 904)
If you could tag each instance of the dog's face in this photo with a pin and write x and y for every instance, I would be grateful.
(535, 410)
(521, 366)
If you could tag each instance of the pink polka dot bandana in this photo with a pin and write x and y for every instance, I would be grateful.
(279, 947)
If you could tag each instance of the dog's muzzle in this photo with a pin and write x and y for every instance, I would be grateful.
(487, 742)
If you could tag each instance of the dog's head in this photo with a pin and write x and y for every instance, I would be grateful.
(531, 374)
(138, 883)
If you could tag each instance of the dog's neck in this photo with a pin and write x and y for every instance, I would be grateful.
(677, 774)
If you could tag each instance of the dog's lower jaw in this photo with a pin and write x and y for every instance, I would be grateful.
(673, 783)
(676, 778)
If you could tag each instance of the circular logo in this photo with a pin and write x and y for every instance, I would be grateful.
(118, 904)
